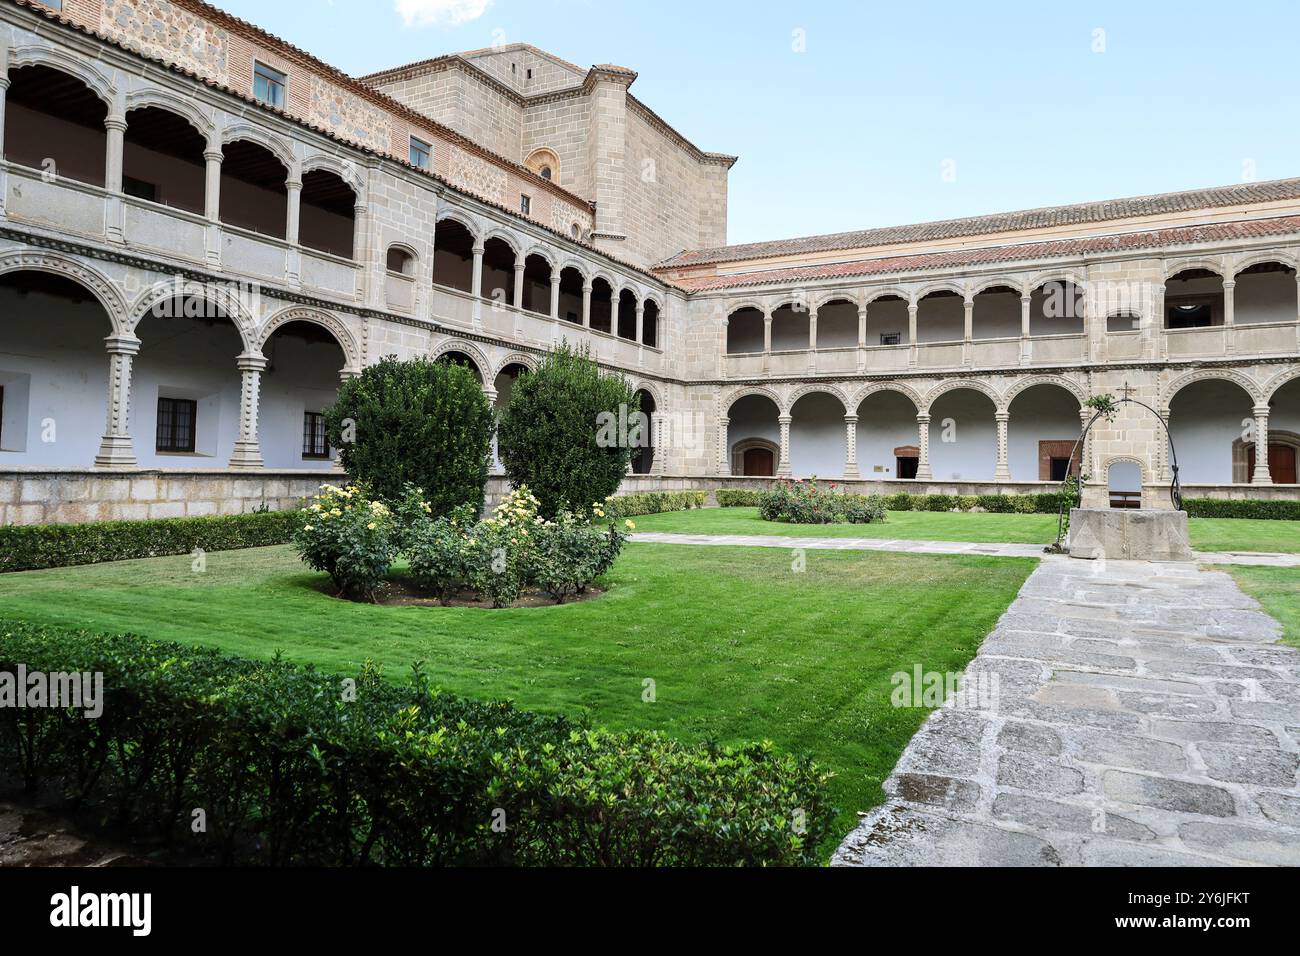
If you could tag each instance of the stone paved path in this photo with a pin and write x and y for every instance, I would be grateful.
(1145, 716)
(927, 547)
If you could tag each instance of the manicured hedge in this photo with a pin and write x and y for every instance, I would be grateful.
(738, 498)
(291, 766)
(654, 502)
(29, 547)
(1221, 508)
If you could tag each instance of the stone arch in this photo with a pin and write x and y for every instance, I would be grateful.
(745, 391)
(1248, 385)
(1055, 275)
(1027, 383)
(941, 285)
(615, 285)
(652, 390)
(1271, 387)
(93, 280)
(873, 294)
(836, 295)
(992, 282)
(731, 308)
(37, 55)
(542, 252)
(471, 351)
(544, 157)
(341, 168)
(514, 358)
(811, 389)
(656, 298)
(225, 300)
(1215, 265)
(953, 384)
(278, 147)
(472, 225)
(577, 265)
(905, 390)
(173, 103)
(1258, 258)
(505, 235)
(331, 323)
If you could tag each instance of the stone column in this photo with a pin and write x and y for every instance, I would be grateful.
(476, 283)
(555, 295)
(1003, 470)
(1162, 463)
(366, 283)
(586, 305)
(248, 451)
(115, 124)
(1026, 347)
(968, 330)
(912, 354)
(851, 446)
(293, 215)
(862, 338)
(658, 465)
(1262, 476)
(767, 341)
(640, 321)
(116, 450)
(724, 447)
(1229, 315)
(212, 157)
(519, 285)
(812, 339)
(783, 466)
(923, 472)
(496, 469)
(1085, 446)
(4, 87)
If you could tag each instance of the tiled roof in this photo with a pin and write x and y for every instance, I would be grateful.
(1044, 218)
(1047, 249)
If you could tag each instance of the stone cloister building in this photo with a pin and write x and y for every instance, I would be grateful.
(204, 229)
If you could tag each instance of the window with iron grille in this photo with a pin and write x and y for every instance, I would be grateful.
(177, 418)
(268, 85)
(314, 442)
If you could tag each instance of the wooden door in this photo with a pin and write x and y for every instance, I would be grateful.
(759, 461)
(1281, 464)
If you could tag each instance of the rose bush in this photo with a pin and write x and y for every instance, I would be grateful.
(349, 536)
(805, 502)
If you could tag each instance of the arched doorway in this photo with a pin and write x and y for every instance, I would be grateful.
(754, 434)
(299, 384)
(1042, 434)
(643, 454)
(887, 436)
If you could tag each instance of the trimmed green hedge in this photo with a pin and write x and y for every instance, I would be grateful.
(292, 766)
(654, 502)
(1259, 508)
(30, 547)
(738, 498)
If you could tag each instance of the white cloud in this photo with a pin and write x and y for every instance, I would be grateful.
(426, 13)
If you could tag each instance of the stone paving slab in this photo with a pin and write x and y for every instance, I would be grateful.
(1144, 716)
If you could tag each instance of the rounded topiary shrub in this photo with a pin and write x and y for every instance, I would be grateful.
(568, 432)
(421, 423)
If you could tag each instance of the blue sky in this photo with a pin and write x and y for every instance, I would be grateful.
(895, 112)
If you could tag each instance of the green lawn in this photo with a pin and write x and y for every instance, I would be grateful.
(740, 647)
(1208, 534)
(904, 525)
(1278, 590)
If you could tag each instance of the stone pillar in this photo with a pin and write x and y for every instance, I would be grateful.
(1162, 463)
(1085, 446)
(366, 283)
(115, 124)
(783, 466)
(212, 156)
(555, 295)
(658, 466)
(851, 446)
(1003, 470)
(293, 206)
(968, 330)
(1262, 476)
(640, 320)
(812, 339)
(4, 88)
(476, 283)
(1026, 347)
(586, 305)
(1229, 315)
(911, 334)
(923, 472)
(767, 341)
(248, 451)
(519, 285)
(862, 338)
(724, 447)
(116, 450)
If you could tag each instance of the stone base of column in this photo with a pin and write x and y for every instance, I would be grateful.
(116, 451)
(1261, 478)
(1002, 474)
(851, 472)
(784, 471)
(923, 473)
(247, 456)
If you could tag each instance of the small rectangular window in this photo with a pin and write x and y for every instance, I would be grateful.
(525, 205)
(177, 418)
(421, 153)
(268, 85)
(891, 338)
(314, 442)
